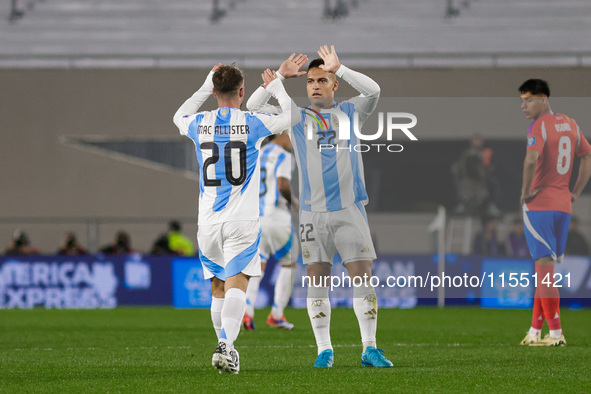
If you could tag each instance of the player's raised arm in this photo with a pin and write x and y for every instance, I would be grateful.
(191, 106)
(369, 90)
(258, 101)
(290, 68)
(289, 114)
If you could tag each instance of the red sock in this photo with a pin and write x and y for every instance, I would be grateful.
(549, 295)
(537, 320)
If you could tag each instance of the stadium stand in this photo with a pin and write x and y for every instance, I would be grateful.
(103, 37)
(152, 33)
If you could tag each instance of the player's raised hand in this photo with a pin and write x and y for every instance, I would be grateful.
(268, 76)
(331, 60)
(290, 68)
(216, 67)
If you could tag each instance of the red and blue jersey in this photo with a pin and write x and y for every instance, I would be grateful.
(557, 138)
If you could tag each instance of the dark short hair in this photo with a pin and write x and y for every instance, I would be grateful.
(122, 236)
(535, 86)
(20, 238)
(315, 63)
(228, 80)
(174, 225)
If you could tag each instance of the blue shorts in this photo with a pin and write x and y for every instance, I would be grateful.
(546, 233)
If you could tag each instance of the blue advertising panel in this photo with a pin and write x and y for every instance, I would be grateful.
(189, 288)
(403, 281)
(82, 282)
(146, 280)
(509, 284)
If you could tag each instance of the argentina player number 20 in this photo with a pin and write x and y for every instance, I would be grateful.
(215, 157)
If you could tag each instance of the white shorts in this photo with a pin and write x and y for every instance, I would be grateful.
(346, 231)
(276, 240)
(226, 249)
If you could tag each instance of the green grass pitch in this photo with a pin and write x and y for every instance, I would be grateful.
(168, 350)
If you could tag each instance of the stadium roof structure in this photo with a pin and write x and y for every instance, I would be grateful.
(376, 33)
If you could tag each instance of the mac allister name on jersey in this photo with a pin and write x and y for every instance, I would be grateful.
(223, 129)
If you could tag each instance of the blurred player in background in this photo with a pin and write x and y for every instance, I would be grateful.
(332, 197)
(553, 139)
(275, 199)
(227, 142)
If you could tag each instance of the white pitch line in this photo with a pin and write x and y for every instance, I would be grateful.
(254, 347)
(94, 348)
(357, 345)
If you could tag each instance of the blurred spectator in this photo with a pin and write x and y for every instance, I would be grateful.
(70, 245)
(576, 244)
(492, 183)
(450, 10)
(338, 9)
(177, 242)
(516, 242)
(488, 242)
(16, 10)
(20, 244)
(217, 13)
(121, 245)
(160, 246)
(475, 181)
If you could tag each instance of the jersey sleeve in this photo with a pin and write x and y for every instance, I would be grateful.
(583, 147)
(283, 169)
(535, 137)
(258, 101)
(289, 114)
(369, 91)
(186, 112)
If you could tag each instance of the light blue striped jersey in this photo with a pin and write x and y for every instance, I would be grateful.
(329, 179)
(227, 143)
(275, 163)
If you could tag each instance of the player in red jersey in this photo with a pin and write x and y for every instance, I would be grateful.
(553, 139)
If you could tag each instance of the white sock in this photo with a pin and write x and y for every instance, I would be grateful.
(365, 305)
(533, 332)
(251, 293)
(232, 314)
(556, 333)
(283, 288)
(216, 314)
(319, 312)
